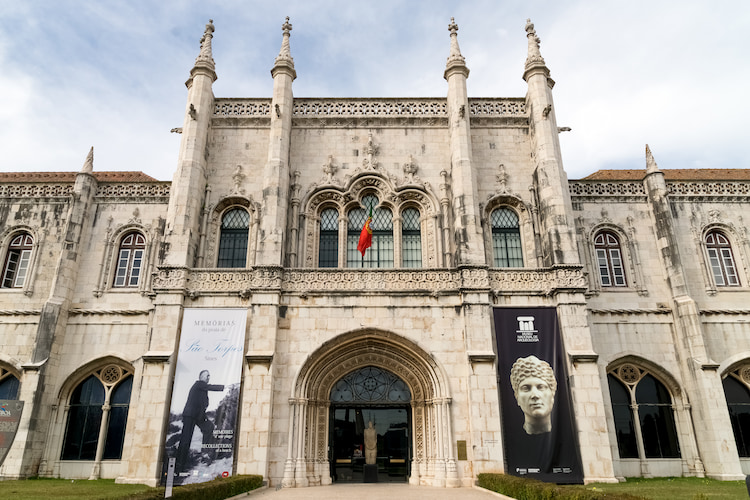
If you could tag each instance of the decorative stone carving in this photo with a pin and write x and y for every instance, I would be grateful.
(410, 168)
(502, 180)
(238, 178)
(370, 150)
(329, 169)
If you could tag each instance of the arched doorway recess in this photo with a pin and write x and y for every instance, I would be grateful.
(432, 460)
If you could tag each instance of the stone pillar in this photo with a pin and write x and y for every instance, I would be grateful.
(275, 203)
(702, 383)
(558, 239)
(467, 233)
(186, 199)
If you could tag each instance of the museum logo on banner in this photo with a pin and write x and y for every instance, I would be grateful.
(538, 424)
(205, 396)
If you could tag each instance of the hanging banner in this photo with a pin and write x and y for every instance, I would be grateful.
(10, 415)
(205, 395)
(538, 422)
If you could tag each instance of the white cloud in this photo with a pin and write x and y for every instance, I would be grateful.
(627, 73)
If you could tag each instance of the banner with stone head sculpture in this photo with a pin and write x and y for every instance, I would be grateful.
(205, 395)
(538, 422)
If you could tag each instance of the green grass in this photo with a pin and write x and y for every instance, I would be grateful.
(688, 488)
(48, 489)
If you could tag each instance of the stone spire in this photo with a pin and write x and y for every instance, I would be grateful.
(205, 58)
(651, 165)
(284, 59)
(88, 164)
(456, 61)
(534, 58)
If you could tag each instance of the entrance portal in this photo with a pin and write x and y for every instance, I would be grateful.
(370, 395)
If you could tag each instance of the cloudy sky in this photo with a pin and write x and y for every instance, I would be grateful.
(111, 74)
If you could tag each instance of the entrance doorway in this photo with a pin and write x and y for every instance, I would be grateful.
(370, 394)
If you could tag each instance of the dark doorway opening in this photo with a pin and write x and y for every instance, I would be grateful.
(347, 448)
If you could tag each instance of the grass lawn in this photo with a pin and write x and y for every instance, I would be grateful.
(48, 489)
(688, 488)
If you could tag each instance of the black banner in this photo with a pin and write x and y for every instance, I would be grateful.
(538, 422)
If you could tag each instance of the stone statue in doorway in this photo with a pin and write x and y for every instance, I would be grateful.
(371, 444)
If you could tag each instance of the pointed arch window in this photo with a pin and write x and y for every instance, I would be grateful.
(328, 253)
(506, 238)
(721, 259)
(98, 405)
(609, 259)
(233, 238)
(411, 238)
(380, 254)
(17, 261)
(738, 403)
(8, 385)
(644, 418)
(130, 260)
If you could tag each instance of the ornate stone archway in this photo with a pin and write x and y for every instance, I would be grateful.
(433, 462)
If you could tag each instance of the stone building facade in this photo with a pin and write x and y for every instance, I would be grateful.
(647, 269)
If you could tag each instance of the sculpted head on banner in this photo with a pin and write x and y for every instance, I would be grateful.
(534, 386)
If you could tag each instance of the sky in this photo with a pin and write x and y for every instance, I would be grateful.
(76, 74)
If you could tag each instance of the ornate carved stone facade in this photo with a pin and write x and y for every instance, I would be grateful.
(649, 270)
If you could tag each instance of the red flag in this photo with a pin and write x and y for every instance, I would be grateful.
(365, 237)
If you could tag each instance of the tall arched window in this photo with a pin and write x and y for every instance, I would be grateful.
(102, 397)
(506, 238)
(721, 259)
(328, 254)
(738, 401)
(644, 418)
(411, 238)
(17, 261)
(623, 415)
(233, 239)
(8, 385)
(380, 254)
(130, 260)
(609, 259)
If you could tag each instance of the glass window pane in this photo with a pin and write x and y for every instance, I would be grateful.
(738, 401)
(623, 416)
(9, 387)
(84, 420)
(506, 239)
(118, 417)
(328, 255)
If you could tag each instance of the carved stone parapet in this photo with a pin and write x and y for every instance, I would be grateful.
(381, 108)
(606, 189)
(244, 281)
(242, 108)
(27, 190)
(159, 191)
(371, 280)
(739, 189)
(170, 279)
(538, 281)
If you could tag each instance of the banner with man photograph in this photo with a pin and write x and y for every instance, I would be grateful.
(205, 395)
(538, 421)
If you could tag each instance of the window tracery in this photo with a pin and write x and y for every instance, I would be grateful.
(643, 414)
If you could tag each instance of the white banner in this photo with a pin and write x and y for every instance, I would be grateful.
(206, 393)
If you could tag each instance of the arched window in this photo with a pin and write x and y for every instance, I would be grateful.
(102, 397)
(130, 260)
(328, 255)
(380, 254)
(411, 238)
(623, 415)
(738, 401)
(233, 239)
(8, 385)
(644, 418)
(506, 238)
(721, 259)
(609, 259)
(17, 261)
